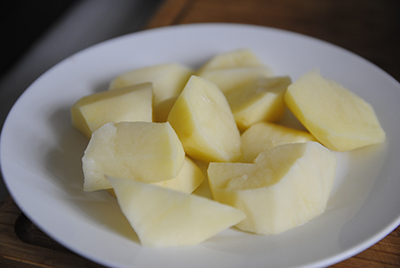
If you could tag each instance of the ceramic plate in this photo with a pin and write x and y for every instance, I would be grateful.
(41, 154)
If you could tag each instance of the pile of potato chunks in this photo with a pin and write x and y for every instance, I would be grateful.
(189, 153)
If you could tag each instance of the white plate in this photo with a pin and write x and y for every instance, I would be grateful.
(41, 152)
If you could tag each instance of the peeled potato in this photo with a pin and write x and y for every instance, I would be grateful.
(141, 151)
(168, 79)
(258, 100)
(187, 180)
(286, 186)
(335, 116)
(165, 218)
(233, 59)
(232, 78)
(203, 120)
(131, 103)
(263, 135)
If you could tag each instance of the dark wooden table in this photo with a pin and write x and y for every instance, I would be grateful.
(370, 28)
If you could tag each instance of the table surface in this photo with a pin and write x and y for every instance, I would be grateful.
(369, 28)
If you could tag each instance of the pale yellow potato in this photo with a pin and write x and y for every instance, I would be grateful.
(203, 120)
(168, 79)
(142, 151)
(132, 103)
(204, 188)
(232, 59)
(162, 110)
(337, 118)
(188, 179)
(261, 99)
(286, 186)
(263, 135)
(165, 218)
(231, 78)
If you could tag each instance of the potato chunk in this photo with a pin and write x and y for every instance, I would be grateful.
(142, 151)
(263, 135)
(167, 79)
(233, 69)
(233, 59)
(232, 78)
(132, 103)
(165, 218)
(337, 118)
(203, 120)
(286, 186)
(259, 100)
(188, 179)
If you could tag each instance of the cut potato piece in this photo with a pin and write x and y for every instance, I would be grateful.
(232, 78)
(233, 59)
(162, 110)
(188, 179)
(165, 218)
(286, 186)
(132, 103)
(143, 151)
(259, 100)
(203, 120)
(262, 136)
(338, 118)
(203, 189)
(168, 80)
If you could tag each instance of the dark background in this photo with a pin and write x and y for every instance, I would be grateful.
(37, 34)
(22, 22)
